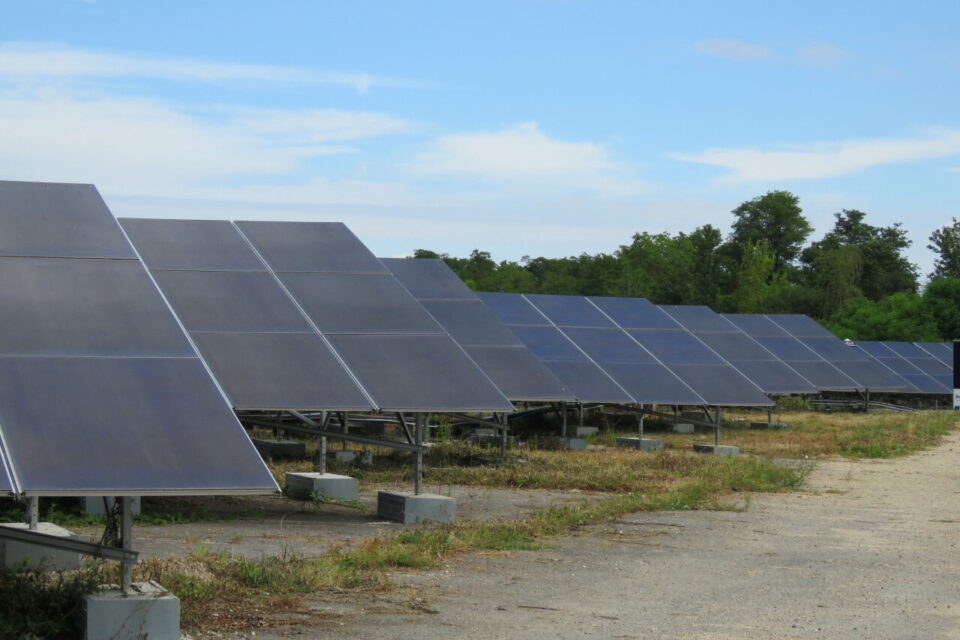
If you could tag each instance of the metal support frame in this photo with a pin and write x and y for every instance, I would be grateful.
(716, 439)
(68, 544)
(640, 418)
(563, 429)
(315, 430)
(418, 478)
(33, 513)
(126, 542)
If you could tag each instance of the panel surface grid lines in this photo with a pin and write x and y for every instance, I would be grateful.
(429, 279)
(634, 313)
(513, 309)
(260, 347)
(569, 311)
(699, 318)
(399, 354)
(111, 400)
(519, 374)
(721, 385)
(757, 325)
(800, 326)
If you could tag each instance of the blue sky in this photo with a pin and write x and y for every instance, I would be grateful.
(534, 127)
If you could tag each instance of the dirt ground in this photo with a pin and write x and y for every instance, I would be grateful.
(867, 550)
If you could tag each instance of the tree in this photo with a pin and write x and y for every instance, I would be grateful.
(775, 218)
(901, 316)
(942, 301)
(945, 242)
(753, 279)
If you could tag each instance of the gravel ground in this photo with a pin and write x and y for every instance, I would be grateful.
(868, 550)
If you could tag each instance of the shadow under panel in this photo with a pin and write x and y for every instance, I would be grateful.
(40, 219)
(634, 313)
(68, 306)
(429, 279)
(774, 376)
(470, 322)
(513, 309)
(721, 385)
(280, 371)
(195, 245)
(123, 426)
(519, 374)
(588, 382)
(652, 383)
(310, 246)
(230, 301)
(418, 373)
(358, 303)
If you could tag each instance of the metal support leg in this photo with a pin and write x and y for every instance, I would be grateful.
(563, 411)
(503, 434)
(716, 440)
(640, 424)
(126, 542)
(581, 415)
(418, 480)
(322, 442)
(33, 513)
(769, 417)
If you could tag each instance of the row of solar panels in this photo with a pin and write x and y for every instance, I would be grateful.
(118, 339)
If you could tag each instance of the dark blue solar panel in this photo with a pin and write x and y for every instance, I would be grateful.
(800, 326)
(946, 381)
(930, 366)
(608, 345)
(899, 365)
(519, 374)
(470, 322)
(634, 313)
(774, 376)
(698, 318)
(876, 349)
(652, 383)
(588, 382)
(547, 343)
(676, 347)
(834, 349)
(906, 349)
(310, 246)
(735, 346)
(197, 245)
(569, 311)
(924, 383)
(938, 350)
(789, 349)
(721, 385)
(872, 375)
(429, 279)
(824, 375)
(513, 309)
(756, 325)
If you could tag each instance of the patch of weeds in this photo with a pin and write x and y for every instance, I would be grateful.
(36, 603)
(317, 499)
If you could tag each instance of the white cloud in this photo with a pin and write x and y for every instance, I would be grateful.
(821, 53)
(33, 61)
(523, 154)
(734, 50)
(825, 160)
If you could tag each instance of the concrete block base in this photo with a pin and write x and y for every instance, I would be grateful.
(306, 485)
(351, 456)
(577, 444)
(643, 444)
(149, 612)
(682, 427)
(769, 425)
(14, 554)
(409, 507)
(587, 431)
(281, 449)
(94, 505)
(717, 449)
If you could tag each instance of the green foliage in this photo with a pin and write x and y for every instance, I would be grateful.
(945, 242)
(941, 299)
(775, 218)
(901, 316)
(36, 603)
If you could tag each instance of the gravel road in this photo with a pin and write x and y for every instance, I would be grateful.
(867, 550)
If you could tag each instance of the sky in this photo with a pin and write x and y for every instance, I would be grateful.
(526, 127)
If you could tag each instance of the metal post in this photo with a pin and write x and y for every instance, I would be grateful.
(503, 434)
(769, 417)
(563, 410)
(33, 513)
(418, 480)
(322, 449)
(581, 416)
(126, 542)
(640, 421)
(716, 440)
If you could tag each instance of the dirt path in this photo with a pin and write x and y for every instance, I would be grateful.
(869, 550)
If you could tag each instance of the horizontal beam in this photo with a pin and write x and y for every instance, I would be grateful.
(68, 544)
(488, 423)
(315, 431)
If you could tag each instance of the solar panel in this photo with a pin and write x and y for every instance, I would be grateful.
(720, 384)
(548, 343)
(50, 220)
(634, 313)
(925, 383)
(130, 426)
(279, 371)
(824, 375)
(917, 378)
(872, 375)
(675, 347)
(938, 350)
(877, 349)
(756, 325)
(310, 246)
(519, 374)
(930, 366)
(589, 382)
(652, 380)
(735, 346)
(195, 245)
(774, 376)
(513, 309)
(358, 303)
(833, 349)
(418, 373)
(569, 311)
(608, 345)
(428, 279)
(231, 301)
(82, 307)
(906, 349)
(699, 318)
(800, 326)
(470, 323)
(789, 349)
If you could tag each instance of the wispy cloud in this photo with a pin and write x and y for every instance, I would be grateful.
(35, 61)
(821, 53)
(734, 50)
(524, 154)
(825, 159)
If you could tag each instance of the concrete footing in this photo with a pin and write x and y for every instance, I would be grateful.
(409, 507)
(577, 444)
(94, 505)
(643, 444)
(717, 449)
(582, 432)
(682, 427)
(14, 553)
(351, 456)
(307, 485)
(281, 449)
(769, 425)
(149, 611)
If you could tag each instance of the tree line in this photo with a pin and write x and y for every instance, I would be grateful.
(856, 279)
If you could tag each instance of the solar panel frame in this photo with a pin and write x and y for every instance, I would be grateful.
(757, 325)
(719, 385)
(699, 318)
(634, 313)
(470, 323)
(519, 374)
(800, 326)
(675, 347)
(429, 279)
(589, 382)
(513, 309)
(569, 311)
(191, 245)
(774, 376)
(310, 247)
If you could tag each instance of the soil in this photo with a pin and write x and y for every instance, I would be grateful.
(867, 550)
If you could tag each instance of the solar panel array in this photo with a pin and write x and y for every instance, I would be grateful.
(100, 391)
(511, 366)
(921, 381)
(297, 315)
(748, 356)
